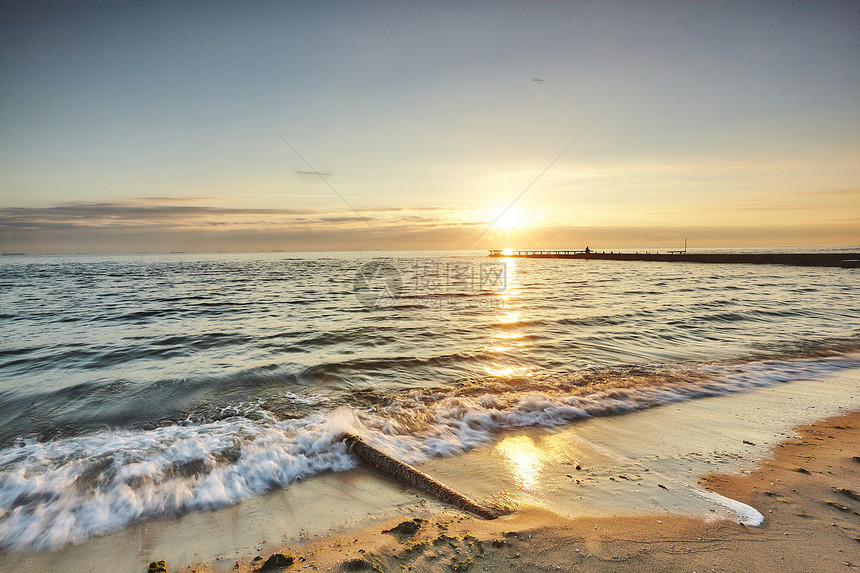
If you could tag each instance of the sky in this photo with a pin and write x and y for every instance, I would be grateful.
(302, 126)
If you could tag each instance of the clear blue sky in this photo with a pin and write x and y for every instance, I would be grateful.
(138, 126)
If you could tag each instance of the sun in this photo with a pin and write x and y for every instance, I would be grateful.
(509, 219)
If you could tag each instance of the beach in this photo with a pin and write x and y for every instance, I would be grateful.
(804, 490)
(192, 409)
(436, 286)
(636, 503)
(807, 489)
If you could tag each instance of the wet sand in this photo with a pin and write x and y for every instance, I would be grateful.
(637, 502)
(808, 493)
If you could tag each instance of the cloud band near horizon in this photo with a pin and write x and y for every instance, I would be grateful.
(163, 225)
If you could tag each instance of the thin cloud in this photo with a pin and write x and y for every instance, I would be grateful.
(400, 209)
(96, 212)
(158, 200)
(168, 214)
(766, 206)
(829, 193)
(345, 219)
(313, 235)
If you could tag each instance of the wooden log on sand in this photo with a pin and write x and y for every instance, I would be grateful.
(405, 473)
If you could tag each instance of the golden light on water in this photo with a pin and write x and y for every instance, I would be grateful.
(532, 462)
(524, 459)
(507, 342)
(510, 335)
(507, 370)
(511, 317)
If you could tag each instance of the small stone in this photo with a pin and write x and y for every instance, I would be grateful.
(357, 564)
(406, 527)
(277, 561)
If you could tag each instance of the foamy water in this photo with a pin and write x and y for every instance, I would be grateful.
(143, 387)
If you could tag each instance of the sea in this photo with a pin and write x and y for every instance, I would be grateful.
(137, 387)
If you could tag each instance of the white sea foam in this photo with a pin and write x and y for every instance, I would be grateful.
(64, 491)
(746, 515)
(306, 400)
(56, 493)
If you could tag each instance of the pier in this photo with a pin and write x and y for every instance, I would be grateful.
(845, 260)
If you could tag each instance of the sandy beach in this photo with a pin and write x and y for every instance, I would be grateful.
(804, 491)
(808, 493)
(672, 488)
(807, 490)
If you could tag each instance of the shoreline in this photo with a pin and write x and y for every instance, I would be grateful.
(635, 469)
(804, 490)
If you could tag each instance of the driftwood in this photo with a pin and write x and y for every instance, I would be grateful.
(410, 476)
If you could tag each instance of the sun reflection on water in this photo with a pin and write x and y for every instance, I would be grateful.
(507, 342)
(533, 463)
(524, 459)
(510, 335)
(507, 370)
(511, 317)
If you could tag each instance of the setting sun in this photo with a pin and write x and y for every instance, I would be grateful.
(509, 219)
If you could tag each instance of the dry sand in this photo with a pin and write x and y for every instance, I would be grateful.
(809, 493)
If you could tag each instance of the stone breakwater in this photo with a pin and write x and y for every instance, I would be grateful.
(846, 260)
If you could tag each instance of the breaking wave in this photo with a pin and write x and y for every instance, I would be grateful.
(60, 492)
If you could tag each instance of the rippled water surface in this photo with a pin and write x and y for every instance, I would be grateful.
(160, 384)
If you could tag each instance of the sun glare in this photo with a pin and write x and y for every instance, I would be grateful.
(509, 219)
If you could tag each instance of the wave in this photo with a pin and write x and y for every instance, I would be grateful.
(61, 492)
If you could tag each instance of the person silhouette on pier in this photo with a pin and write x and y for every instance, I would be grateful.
(587, 250)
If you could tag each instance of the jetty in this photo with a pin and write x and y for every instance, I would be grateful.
(844, 260)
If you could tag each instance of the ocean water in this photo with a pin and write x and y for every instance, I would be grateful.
(136, 387)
